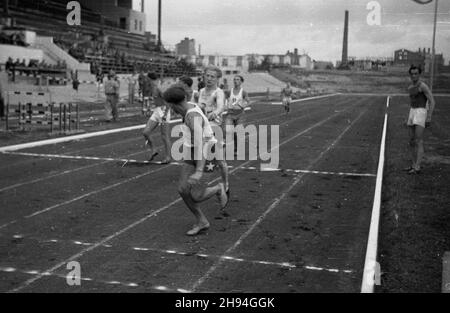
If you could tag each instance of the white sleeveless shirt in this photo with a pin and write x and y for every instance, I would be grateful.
(209, 102)
(208, 134)
(235, 99)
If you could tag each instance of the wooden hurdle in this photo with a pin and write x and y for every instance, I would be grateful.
(36, 108)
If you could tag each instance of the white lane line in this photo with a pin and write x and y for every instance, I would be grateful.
(130, 140)
(274, 204)
(370, 264)
(89, 135)
(96, 245)
(80, 157)
(86, 195)
(310, 98)
(126, 161)
(154, 213)
(316, 172)
(136, 153)
(188, 254)
(61, 173)
(120, 183)
(98, 281)
(119, 142)
(68, 138)
(389, 94)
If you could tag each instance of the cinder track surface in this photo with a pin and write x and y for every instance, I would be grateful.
(287, 231)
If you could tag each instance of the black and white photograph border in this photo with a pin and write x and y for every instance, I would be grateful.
(329, 123)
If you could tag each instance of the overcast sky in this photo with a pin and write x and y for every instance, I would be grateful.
(315, 26)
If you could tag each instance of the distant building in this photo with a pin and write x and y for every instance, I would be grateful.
(235, 64)
(292, 59)
(121, 12)
(229, 64)
(186, 47)
(305, 62)
(421, 58)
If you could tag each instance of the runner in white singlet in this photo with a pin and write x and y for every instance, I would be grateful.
(191, 187)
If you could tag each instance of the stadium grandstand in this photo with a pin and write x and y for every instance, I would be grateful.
(101, 43)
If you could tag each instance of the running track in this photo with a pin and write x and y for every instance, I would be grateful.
(302, 229)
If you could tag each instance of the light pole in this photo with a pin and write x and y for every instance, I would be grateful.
(433, 55)
(159, 25)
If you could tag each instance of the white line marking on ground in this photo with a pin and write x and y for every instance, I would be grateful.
(104, 162)
(370, 264)
(316, 172)
(307, 99)
(154, 213)
(186, 254)
(388, 94)
(127, 161)
(67, 139)
(88, 135)
(113, 282)
(130, 140)
(87, 195)
(274, 204)
(79, 157)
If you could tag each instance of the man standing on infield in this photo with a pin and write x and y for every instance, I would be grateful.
(422, 107)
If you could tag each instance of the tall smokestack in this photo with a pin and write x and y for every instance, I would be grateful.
(6, 7)
(345, 45)
(159, 24)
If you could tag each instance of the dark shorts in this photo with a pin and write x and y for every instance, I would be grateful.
(210, 165)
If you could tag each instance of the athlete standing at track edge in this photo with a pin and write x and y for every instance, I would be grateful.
(422, 107)
(198, 137)
(286, 97)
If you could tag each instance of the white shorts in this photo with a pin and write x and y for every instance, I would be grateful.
(161, 115)
(417, 116)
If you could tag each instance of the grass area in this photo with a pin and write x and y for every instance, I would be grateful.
(349, 81)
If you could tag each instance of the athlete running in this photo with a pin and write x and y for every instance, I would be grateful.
(237, 102)
(422, 107)
(201, 138)
(161, 117)
(286, 97)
